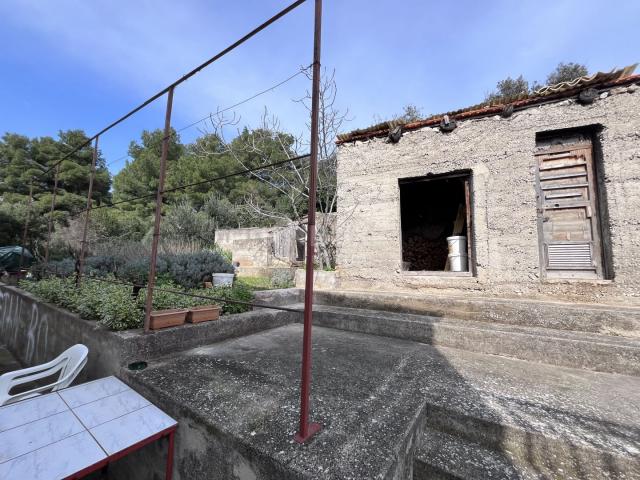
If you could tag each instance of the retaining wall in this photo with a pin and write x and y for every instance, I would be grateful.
(36, 332)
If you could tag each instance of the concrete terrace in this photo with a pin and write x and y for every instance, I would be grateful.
(384, 401)
(407, 386)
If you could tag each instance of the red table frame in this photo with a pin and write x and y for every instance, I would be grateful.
(168, 432)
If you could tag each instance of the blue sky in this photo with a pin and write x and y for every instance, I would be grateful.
(81, 64)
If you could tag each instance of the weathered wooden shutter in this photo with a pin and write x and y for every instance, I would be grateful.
(567, 212)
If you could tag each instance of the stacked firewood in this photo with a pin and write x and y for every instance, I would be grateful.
(421, 253)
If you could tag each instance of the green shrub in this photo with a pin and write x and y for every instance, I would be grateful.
(53, 290)
(227, 254)
(102, 265)
(114, 306)
(137, 271)
(164, 300)
(118, 310)
(64, 268)
(239, 291)
(89, 298)
(190, 270)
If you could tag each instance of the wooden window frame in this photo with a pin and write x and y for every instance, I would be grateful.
(467, 176)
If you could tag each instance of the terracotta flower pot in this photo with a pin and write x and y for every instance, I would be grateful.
(167, 318)
(203, 313)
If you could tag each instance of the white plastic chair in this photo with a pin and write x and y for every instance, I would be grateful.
(69, 364)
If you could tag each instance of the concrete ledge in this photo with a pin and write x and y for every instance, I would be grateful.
(321, 279)
(541, 345)
(583, 317)
(444, 456)
(35, 332)
(280, 297)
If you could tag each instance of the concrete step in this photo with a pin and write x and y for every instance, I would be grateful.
(456, 445)
(447, 457)
(621, 320)
(514, 419)
(588, 351)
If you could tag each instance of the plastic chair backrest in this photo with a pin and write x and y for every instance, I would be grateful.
(67, 366)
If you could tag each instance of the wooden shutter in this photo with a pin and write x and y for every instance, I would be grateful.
(567, 212)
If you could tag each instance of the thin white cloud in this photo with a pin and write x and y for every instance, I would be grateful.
(141, 46)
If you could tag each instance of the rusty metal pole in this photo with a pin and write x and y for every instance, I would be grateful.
(83, 245)
(26, 225)
(307, 429)
(50, 221)
(156, 226)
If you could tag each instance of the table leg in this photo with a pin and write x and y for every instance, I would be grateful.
(170, 456)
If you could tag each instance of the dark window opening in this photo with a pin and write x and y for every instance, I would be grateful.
(435, 223)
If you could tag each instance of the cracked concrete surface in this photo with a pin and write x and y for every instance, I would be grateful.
(375, 397)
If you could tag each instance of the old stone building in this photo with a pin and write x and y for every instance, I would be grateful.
(542, 194)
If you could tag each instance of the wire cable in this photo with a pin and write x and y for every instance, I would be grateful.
(185, 77)
(188, 185)
(226, 109)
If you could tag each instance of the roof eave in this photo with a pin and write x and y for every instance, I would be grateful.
(487, 111)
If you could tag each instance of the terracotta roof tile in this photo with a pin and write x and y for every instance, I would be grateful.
(551, 93)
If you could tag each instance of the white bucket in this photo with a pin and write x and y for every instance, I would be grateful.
(458, 263)
(457, 245)
(222, 279)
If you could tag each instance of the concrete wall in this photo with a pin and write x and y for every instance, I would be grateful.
(321, 279)
(260, 247)
(499, 152)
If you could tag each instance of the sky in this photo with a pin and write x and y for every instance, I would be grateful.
(79, 64)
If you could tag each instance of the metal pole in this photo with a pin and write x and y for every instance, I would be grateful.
(156, 226)
(83, 245)
(307, 429)
(50, 223)
(26, 226)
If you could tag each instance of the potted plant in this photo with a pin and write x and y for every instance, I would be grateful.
(203, 313)
(167, 318)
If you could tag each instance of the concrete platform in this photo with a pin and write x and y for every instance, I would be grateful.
(378, 399)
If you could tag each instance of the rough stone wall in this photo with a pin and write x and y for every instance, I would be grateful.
(260, 247)
(500, 154)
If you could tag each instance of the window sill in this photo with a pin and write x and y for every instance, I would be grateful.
(434, 273)
(588, 281)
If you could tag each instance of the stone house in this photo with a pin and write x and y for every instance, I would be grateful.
(544, 191)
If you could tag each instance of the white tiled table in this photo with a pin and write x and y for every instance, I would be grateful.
(73, 432)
